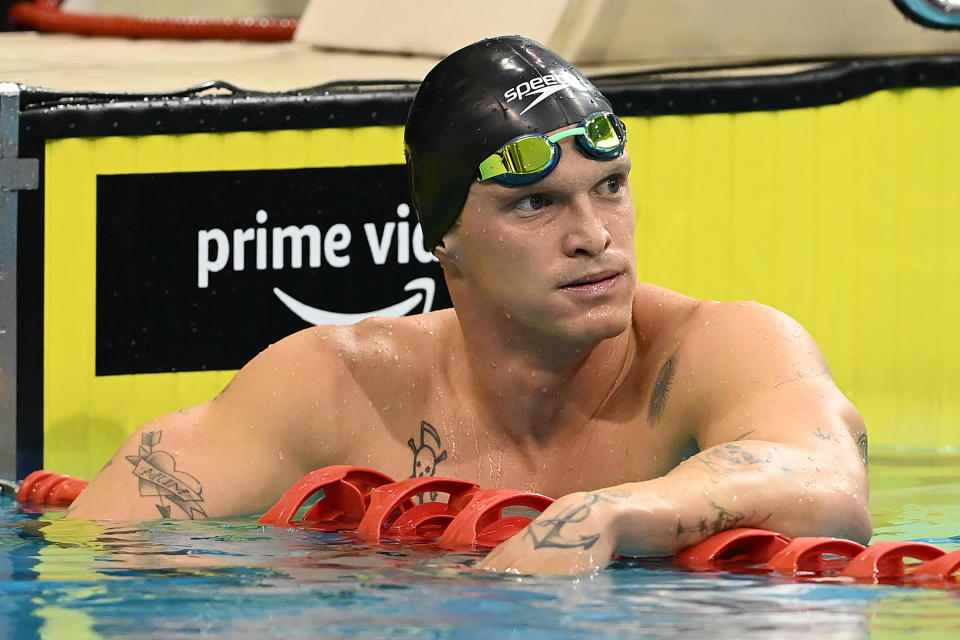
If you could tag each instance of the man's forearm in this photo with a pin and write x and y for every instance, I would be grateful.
(747, 483)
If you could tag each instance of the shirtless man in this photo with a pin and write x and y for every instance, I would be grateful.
(654, 419)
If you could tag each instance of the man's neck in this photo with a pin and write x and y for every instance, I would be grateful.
(531, 393)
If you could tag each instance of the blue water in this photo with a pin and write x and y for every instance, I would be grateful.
(235, 579)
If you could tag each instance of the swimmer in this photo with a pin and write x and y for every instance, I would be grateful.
(655, 420)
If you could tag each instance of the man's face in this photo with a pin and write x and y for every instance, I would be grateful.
(555, 257)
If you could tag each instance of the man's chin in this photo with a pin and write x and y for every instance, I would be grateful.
(598, 326)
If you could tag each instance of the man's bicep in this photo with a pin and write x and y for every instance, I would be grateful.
(235, 454)
(763, 377)
(806, 416)
(812, 411)
(162, 471)
(232, 455)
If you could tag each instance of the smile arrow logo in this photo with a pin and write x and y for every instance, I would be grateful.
(316, 316)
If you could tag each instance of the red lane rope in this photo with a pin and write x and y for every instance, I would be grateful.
(45, 488)
(45, 15)
(375, 507)
(824, 559)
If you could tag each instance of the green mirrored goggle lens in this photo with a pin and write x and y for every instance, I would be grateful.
(527, 155)
(601, 133)
(535, 154)
(520, 157)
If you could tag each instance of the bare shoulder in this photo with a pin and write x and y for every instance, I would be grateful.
(319, 379)
(367, 358)
(721, 351)
(710, 332)
(751, 333)
(693, 316)
(373, 342)
(412, 343)
(746, 358)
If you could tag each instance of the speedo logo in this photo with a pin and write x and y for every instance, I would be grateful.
(543, 87)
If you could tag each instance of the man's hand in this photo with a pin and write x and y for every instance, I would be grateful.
(576, 534)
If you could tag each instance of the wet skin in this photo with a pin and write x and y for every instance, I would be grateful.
(557, 373)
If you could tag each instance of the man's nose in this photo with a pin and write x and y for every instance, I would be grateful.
(587, 231)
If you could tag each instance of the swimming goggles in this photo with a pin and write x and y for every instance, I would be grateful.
(529, 158)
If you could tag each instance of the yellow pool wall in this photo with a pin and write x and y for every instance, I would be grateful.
(843, 216)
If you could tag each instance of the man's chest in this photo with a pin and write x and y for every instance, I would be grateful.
(599, 454)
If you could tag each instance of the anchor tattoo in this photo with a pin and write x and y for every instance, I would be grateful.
(549, 533)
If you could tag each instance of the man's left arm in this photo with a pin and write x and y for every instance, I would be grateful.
(781, 449)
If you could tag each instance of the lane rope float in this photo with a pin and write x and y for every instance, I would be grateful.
(375, 507)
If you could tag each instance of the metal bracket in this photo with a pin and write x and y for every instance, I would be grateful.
(16, 174)
(19, 174)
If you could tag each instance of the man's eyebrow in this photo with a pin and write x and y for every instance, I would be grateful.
(613, 167)
(621, 163)
(511, 194)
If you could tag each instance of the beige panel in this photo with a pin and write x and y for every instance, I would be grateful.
(426, 27)
(76, 63)
(620, 31)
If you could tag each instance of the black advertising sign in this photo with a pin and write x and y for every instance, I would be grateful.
(202, 270)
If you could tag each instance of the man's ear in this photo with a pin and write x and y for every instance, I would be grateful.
(446, 253)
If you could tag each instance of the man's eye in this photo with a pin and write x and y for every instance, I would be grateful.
(531, 203)
(612, 184)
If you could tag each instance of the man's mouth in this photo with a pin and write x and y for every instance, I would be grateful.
(600, 281)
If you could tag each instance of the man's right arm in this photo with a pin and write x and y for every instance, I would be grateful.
(236, 454)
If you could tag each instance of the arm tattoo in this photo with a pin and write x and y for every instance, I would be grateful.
(159, 478)
(658, 397)
(728, 457)
(426, 456)
(862, 445)
(548, 533)
(823, 436)
(702, 525)
(724, 520)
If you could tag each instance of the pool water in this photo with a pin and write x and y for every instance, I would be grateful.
(236, 579)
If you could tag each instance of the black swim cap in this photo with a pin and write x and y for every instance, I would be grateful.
(473, 102)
